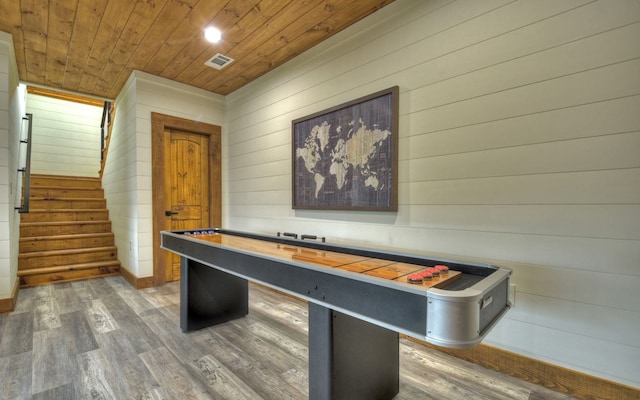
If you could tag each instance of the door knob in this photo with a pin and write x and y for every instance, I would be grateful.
(169, 213)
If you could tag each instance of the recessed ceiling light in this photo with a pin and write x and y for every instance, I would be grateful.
(212, 34)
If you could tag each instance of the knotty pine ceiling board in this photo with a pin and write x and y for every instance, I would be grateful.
(92, 46)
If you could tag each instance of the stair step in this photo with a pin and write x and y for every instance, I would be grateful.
(61, 215)
(65, 242)
(41, 203)
(68, 273)
(66, 235)
(63, 228)
(56, 258)
(66, 192)
(64, 181)
(72, 267)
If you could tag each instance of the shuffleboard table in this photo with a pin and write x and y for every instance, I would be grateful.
(359, 300)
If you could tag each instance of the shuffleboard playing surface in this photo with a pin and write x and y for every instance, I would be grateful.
(385, 269)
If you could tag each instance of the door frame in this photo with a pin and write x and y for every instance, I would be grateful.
(159, 123)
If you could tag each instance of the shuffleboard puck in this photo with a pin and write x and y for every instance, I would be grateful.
(426, 275)
(414, 278)
(443, 269)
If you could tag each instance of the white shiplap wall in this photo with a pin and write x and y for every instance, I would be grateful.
(127, 177)
(66, 137)
(519, 145)
(11, 112)
(5, 63)
(119, 179)
(18, 101)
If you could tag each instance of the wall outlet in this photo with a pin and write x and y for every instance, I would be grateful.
(512, 295)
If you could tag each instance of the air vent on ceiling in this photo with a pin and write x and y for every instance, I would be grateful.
(219, 61)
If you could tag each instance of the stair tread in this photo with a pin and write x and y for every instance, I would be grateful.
(63, 177)
(67, 236)
(68, 187)
(62, 198)
(65, 251)
(95, 264)
(92, 212)
(37, 180)
(28, 224)
(59, 210)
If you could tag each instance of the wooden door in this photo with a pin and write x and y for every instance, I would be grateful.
(186, 185)
(190, 138)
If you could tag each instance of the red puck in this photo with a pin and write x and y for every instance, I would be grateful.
(414, 278)
(442, 268)
(426, 275)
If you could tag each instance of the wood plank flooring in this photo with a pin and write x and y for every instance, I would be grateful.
(103, 339)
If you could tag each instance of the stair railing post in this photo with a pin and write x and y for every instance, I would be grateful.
(26, 177)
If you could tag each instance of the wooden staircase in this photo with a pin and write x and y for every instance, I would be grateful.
(66, 235)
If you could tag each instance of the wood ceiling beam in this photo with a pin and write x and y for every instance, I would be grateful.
(65, 96)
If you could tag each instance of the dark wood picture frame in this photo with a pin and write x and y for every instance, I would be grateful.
(346, 157)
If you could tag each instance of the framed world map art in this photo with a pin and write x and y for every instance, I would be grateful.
(345, 158)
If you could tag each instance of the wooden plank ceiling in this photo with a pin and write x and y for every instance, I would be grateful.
(92, 46)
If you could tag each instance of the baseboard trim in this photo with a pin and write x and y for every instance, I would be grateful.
(9, 304)
(138, 283)
(559, 379)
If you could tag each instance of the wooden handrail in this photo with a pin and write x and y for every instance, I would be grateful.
(106, 127)
(104, 123)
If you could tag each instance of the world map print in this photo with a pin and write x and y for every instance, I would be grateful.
(342, 159)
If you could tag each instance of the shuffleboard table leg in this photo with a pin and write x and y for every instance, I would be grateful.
(209, 296)
(350, 358)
